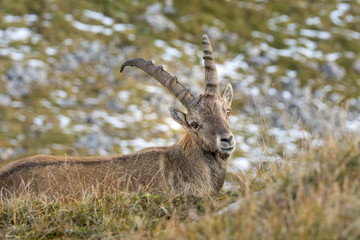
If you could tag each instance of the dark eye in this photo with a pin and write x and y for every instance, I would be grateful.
(194, 125)
(228, 112)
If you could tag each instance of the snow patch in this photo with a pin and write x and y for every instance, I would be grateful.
(107, 21)
(92, 28)
(313, 21)
(64, 121)
(170, 53)
(122, 27)
(239, 164)
(15, 34)
(51, 51)
(172, 124)
(335, 15)
(231, 66)
(324, 35)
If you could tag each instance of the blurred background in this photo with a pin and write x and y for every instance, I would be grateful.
(294, 66)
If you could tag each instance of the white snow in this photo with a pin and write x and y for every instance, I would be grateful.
(274, 21)
(289, 137)
(122, 27)
(244, 147)
(15, 34)
(353, 126)
(39, 121)
(51, 51)
(331, 57)
(161, 127)
(107, 21)
(140, 143)
(294, 51)
(172, 124)
(170, 53)
(239, 164)
(123, 96)
(292, 29)
(160, 43)
(92, 28)
(136, 113)
(350, 34)
(64, 121)
(272, 69)
(286, 95)
(188, 48)
(291, 73)
(315, 34)
(5, 100)
(8, 18)
(58, 94)
(230, 68)
(107, 30)
(69, 17)
(114, 121)
(15, 54)
(290, 42)
(257, 34)
(36, 38)
(335, 15)
(272, 91)
(313, 21)
(131, 37)
(154, 89)
(36, 63)
(308, 43)
(28, 18)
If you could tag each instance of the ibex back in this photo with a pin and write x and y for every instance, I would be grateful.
(194, 165)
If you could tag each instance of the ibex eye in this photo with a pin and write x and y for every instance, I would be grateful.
(194, 125)
(228, 112)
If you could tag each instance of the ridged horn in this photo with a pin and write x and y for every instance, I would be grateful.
(170, 82)
(211, 80)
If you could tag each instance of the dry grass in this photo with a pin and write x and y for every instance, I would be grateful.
(317, 196)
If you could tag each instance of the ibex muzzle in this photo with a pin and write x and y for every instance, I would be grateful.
(194, 165)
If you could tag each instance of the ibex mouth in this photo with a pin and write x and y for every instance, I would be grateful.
(228, 150)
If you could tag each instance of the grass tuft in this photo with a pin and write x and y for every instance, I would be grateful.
(315, 196)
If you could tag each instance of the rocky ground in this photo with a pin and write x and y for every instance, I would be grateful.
(295, 68)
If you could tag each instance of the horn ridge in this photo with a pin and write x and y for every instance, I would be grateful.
(211, 79)
(163, 77)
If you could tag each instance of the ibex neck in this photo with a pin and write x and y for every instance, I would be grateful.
(189, 145)
(194, 155)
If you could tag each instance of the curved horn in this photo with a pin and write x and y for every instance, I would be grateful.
(157, 72)
(211, 80)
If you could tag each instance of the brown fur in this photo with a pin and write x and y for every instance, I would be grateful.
(194, 165)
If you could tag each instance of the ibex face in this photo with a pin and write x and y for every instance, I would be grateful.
(207, 120)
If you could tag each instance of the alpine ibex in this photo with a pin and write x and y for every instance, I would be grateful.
(194, 165)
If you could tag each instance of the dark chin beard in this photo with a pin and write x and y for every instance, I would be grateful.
(224, 156)
(215, 152)
(218, 155)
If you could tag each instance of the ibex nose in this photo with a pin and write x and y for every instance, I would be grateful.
(227, 144)
(227, 140)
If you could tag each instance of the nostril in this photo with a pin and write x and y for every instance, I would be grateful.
(228, 140)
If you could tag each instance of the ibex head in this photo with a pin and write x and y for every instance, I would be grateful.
(207, 118)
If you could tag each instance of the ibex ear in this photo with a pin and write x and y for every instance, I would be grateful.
(178, 116)
(227, 94)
